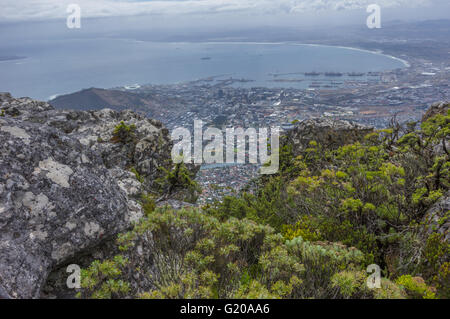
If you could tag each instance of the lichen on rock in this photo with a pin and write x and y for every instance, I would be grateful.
(65, 188)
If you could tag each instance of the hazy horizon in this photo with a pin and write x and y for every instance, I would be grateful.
(42, 17)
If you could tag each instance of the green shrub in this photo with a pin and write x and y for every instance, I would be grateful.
(124, 133)
(350, 284)
(370, 194)
(138, 176)
(305, 228)
(148, 204)
(416, 287)
(388, 290)
(101, 280)
(179, 178)
(195, 255)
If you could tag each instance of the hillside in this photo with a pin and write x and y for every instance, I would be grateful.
(97, 99)
(98, 189)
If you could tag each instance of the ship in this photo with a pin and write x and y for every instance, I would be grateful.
(334, 74)
(356, 74)
(287, 80)
(373, 74)
(312, 74)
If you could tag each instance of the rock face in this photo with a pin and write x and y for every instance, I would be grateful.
(435, 109)
(329, 133)
(65, 188)
(436, 220)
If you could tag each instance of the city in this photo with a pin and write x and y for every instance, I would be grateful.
(373, 100)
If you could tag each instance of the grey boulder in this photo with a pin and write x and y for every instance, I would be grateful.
(65, 188)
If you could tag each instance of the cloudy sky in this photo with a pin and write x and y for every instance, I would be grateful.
(20, 10)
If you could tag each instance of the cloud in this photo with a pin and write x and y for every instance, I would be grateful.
(19, 10)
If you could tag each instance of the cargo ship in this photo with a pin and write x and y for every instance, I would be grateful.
(334, 74)
(312, 74)
(356, 74)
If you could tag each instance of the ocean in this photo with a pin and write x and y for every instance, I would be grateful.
(52, 68)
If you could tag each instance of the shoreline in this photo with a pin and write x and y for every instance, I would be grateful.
(405, 63)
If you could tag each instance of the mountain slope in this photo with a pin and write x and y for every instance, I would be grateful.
(95, 98)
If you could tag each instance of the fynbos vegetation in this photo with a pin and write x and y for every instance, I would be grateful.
(309, 231)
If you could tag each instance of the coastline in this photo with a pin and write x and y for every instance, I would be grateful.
(405, 63)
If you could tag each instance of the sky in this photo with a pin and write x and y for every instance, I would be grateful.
(32, 10)
(164, 19)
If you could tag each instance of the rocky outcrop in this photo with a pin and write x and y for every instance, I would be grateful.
(437, 219)
(435, 109)
(65, 187)
(327, 132)
(94, 129)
